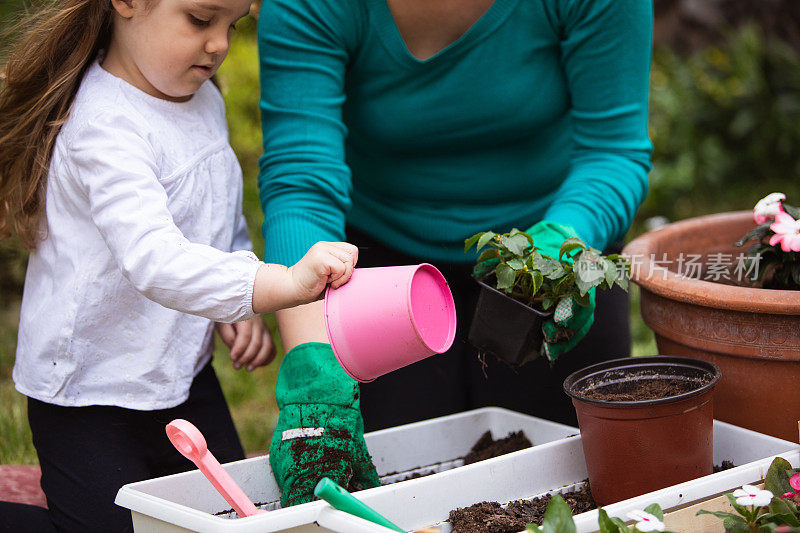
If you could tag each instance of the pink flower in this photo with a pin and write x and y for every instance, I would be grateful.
(794, 481)
(787, 232)
(768, 207)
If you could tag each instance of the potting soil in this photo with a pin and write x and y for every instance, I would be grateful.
(654, 388)
(484, 448)
(726, 465)
(487, 447)
(487, 517)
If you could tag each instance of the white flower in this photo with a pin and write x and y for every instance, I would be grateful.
(768, 207)
(646, 521)
(750, 495)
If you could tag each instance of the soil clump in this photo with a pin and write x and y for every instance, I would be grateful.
(491, 516)
(487, 447)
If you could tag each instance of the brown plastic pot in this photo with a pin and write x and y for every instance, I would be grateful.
(635, 447)
(505, 327)
(752, 334)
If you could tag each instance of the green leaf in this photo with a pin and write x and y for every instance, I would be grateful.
(516, 244)
(590, 267)
(610, 269)
(655, 510)
(534, 528)
(791, 211)
(516, 264)
(558, 517)
(485, 238)
(547, 303)
(777, 479)
(487, 254)
(550, 268)
(582, 299)
(562, 286)
(605, 523)
(570, 244)
(622, 527)
(782, 509)
(505, 276)
(588, 270)
(759, 232)
(739, 508)
(536, 281)
(778, 518)
(515, 232)
(472, 240)
(720, 514)
(735, 526)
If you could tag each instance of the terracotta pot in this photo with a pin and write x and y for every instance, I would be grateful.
(752, 334)
(505, 327)
(635, 447)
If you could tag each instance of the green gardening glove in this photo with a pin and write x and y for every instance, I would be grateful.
(571, 321)
(320, 432)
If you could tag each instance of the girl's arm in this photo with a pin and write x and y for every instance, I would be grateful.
(113, 165)
(606, 49)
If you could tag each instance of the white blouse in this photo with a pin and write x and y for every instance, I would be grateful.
(144, 214)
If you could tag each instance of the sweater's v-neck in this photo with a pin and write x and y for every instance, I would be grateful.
(482, 27)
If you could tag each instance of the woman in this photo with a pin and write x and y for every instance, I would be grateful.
(409, 125)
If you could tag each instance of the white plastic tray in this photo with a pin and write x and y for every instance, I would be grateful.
(183, 502)
(559, 467)
(188, 502)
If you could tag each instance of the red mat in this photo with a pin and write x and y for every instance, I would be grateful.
(20, 484)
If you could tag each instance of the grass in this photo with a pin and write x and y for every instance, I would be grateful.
(15, 435)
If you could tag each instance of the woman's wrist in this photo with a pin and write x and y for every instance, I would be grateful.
(302, 324)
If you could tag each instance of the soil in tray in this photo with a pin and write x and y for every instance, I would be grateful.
(488, 517)
(726, 465)
(653, 388)
(487, 447)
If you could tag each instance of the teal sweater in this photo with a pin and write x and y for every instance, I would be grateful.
(539, 111)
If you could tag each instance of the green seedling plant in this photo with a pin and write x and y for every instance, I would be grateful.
(514, 265)
(759, 510)
(558, 519)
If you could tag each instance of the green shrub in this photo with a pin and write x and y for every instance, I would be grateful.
(725, 125)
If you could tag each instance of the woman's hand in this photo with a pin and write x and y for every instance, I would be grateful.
(324, 263)
(250, 343)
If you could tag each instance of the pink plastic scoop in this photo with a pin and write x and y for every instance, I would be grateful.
(188, 440)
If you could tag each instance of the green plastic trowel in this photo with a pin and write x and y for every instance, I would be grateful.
(342, 500)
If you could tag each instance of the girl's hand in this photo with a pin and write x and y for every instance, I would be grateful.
(250, 343)
(325, 262)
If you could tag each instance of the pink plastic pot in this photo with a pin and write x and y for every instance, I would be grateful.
(388, 317)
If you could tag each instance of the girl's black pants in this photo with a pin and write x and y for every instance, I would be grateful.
(88, 453)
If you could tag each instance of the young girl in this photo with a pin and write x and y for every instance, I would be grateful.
(115, 169)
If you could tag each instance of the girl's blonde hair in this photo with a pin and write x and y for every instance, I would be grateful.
(41, 77)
